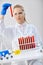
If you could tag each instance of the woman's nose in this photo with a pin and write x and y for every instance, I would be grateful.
(18, 15)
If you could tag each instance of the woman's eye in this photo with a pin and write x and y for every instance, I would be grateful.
(15, 13)
(20, 12)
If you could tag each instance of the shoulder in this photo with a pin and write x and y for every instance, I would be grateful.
(31, 25)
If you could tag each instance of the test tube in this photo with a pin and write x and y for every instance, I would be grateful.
(11, 11)
(32, 39)
(28, 39)
(22, 40)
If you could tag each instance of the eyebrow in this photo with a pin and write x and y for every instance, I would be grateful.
(18, 13)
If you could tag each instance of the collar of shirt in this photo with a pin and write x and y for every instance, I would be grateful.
(21, 27)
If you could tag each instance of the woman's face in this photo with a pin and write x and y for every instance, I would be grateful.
(19, 15)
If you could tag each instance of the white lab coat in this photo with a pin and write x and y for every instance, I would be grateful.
(25, 30)
(19, 30)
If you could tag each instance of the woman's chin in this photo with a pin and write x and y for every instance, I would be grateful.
(20, 22)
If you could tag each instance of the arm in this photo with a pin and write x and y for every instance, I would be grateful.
(3, 38)
(2, 26)
(38, 39)
(5, 35)
(5, 6)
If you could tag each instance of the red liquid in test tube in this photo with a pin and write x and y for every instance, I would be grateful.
(33, 39)
(28, 39)
(22, 40)
(11, 11)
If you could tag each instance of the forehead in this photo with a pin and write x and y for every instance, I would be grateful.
(16, 10)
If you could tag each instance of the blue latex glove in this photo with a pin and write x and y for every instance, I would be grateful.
(4, 8)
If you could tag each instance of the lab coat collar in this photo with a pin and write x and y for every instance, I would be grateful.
(20, 25)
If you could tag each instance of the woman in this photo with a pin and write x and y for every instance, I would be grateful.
(21, 29)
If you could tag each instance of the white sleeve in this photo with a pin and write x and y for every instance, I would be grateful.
(38, 39)
(2, 25)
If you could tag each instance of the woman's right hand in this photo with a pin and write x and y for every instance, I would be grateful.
(5, 6)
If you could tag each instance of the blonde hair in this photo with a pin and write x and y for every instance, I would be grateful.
(19, 6)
